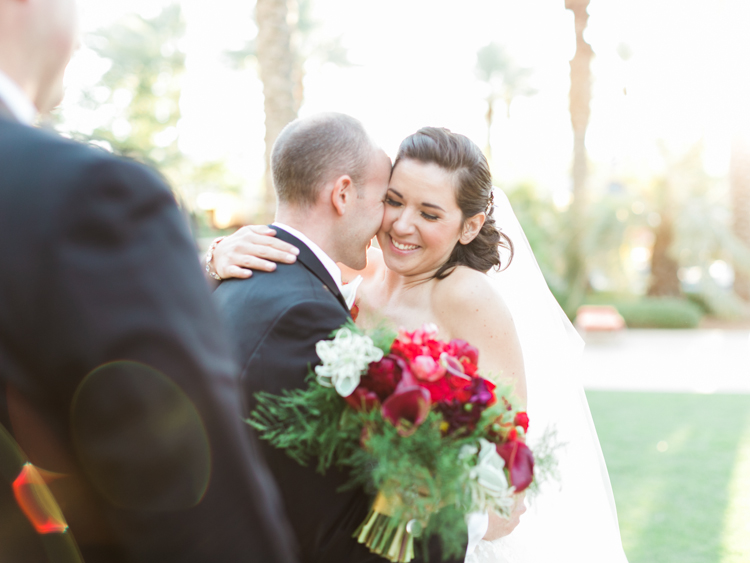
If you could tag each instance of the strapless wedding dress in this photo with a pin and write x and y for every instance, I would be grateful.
(573, 518)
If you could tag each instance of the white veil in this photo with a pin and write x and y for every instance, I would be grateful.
(574, 519)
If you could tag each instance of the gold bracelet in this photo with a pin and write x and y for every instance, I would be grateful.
(209, 258)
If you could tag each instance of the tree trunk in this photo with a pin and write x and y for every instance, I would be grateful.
(580, 100)
(276, 61)
(664, 281)
(739, 180)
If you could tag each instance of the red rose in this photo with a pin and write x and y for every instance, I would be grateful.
(519, 461)
(434, 348)
(421, 342)
(406, 350)
(522, 420)
(462, 389)
(427, 331)
(462, 350)
(439, 390)
(469, 368)
(426, 368)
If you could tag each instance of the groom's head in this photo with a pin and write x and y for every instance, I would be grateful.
(331, 180)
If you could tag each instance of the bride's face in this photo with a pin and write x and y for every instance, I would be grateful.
(422, 221)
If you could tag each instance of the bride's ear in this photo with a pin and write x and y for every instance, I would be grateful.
(342, 193)
(471, 228)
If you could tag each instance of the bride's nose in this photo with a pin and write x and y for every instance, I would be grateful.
(404, 224)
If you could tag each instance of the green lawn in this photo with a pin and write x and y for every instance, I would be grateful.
(680, 470)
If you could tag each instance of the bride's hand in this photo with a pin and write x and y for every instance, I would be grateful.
(251, 248)
(500, 527)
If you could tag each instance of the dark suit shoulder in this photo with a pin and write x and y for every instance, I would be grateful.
(287, 308)
(277, 291)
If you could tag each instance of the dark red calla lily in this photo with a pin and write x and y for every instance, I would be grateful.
(407, 404)
(520, 463)
(363, 399)
(384, 376)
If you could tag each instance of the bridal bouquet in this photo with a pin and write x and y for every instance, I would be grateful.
(414, 422)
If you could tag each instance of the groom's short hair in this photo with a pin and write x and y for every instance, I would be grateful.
(314, 150)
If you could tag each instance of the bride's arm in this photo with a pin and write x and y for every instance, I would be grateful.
(469, 308)
(254, 247)
(499, 527)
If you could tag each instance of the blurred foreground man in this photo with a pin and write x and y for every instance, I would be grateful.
(117, 392)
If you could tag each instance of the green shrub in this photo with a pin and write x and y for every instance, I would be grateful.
(652, 312)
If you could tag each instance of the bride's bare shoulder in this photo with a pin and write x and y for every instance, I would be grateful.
(465, 284)
(467, 295)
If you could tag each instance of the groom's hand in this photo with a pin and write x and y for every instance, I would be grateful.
(254, 247)
(499, 526)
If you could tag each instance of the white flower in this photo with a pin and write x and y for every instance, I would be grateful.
(345, 359)
(467, 451)
(489, 470)
(490, 490)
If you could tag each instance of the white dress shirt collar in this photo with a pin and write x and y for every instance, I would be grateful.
(16, 100)
(326, 260)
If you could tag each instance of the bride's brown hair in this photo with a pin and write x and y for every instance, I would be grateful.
(459, 155)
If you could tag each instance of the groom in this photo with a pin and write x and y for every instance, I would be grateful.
(331, 181)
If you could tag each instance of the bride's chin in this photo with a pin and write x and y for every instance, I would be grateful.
(395, 265)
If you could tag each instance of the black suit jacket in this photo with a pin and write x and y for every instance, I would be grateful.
(275, 320)
(99, 267)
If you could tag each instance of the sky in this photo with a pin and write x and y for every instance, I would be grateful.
(687, 80)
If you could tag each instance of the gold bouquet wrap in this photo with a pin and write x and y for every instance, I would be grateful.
(385, 535)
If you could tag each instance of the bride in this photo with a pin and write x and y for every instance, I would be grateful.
(439, 262)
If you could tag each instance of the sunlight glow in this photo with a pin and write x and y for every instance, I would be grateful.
(673, 76)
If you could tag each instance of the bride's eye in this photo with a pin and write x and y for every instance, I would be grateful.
(393, 202)
(430, 217)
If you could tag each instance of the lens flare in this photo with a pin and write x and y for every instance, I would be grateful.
(37, 503)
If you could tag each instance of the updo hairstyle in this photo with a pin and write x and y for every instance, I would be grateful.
(460, 156)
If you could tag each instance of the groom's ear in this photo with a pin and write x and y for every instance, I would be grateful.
(342, 193)
(471, 228)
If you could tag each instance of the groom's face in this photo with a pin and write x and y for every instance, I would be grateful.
(367, 214)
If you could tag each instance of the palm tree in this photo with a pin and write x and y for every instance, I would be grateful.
(287, 39)
(694, 231)
(311, 45)
(739, 180)
(276, 63)
(580, 99)
(505, 79)
(664, 280)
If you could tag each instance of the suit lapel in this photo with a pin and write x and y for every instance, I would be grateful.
(311, 262)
